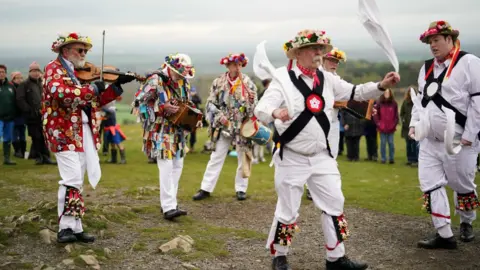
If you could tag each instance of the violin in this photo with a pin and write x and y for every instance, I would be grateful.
(90, 73)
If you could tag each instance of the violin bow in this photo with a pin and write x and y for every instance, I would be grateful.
(103, 55)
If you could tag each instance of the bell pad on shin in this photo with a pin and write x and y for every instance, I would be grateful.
(284, 233)
(74, 205)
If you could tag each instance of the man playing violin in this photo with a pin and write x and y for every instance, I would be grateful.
(232, 99)
(156, 101)
(70, 113)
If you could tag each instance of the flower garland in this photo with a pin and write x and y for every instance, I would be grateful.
(174, 62)
(68, 38)
(235, 58)
(307, 37)
(438, 28)
(337, 54)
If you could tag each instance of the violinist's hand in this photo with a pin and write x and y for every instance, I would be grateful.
(281, 113)
(170, 108)
(123, 79)
(100, 86)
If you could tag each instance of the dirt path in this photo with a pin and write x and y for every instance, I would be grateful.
(385, 241)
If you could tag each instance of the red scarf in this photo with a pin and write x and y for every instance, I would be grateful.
(310, 73)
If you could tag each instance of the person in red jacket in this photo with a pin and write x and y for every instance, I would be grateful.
(70, 115)
(386, 119)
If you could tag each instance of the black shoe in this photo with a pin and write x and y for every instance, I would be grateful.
(437, 242)
(170, 215)
(84, 237)
(280, 263)
(241, 196)
(6, 154)
(152, 161)
(392, 162)
(345, 263)
(309, 196)
(66, 236)
(201, 194)
(39, 161)
(466, 232)
(408, 163)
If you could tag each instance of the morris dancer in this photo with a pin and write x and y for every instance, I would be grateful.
(302, 151)
(70, 114)
(448, 80)
(157, 99)
(330, 64)
(232, 98)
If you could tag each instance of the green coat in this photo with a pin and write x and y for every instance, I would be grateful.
(8, 107)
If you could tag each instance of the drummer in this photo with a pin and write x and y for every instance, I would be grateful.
(231, 102)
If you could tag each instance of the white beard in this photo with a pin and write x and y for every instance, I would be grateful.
(78, 63)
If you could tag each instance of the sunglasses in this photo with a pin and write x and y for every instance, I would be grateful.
(80, 50)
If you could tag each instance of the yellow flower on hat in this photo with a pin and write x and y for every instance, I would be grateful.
(335, 53)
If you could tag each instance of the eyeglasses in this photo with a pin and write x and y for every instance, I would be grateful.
(80, 50)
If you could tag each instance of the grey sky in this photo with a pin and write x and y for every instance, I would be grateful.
(155, 26)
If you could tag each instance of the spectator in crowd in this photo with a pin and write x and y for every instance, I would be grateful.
(7, 114)
(371, 139)
(405, 116)
(353, 132)
(259, 150)
(113, 135)
(29, 100)
(341, 141)
(386, 119)
(196, 100)
(18, 141)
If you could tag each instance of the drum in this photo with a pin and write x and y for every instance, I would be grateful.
(186, 117)
(256, 131)
(359, 109)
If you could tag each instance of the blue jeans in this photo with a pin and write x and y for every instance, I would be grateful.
(384, 138)
(6, 130)
(412, 150)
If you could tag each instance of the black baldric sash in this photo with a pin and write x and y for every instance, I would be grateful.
(314, 107)
(433, 90)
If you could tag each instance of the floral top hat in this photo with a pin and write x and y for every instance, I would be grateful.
(337, 54)
(181, 64)
(235, 58)
(439, 28)
(68, 38)
(305, 38)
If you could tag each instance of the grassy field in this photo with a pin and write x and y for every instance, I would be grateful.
(127, 198)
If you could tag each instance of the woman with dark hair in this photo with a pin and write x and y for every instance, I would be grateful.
(386, 119)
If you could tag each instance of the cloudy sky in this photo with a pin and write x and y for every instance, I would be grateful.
(156, 26)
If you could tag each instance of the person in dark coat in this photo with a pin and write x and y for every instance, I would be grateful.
(353, 132)
(18, 141)
(371, 139)
(411, 144)
(197, 101)
(29, 100)
(8, 113)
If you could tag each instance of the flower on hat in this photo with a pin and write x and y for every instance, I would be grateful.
(72, 37)
(235, 58)
(305, 38)
(181, 64)
(337, 54)
(438, 28)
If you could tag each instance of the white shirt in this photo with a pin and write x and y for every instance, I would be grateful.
(311, 139)
(457, 90)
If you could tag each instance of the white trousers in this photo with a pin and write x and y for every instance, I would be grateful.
(170, 171)
(437, 169)
(333, 139)
(321, 173)
(72, 167)
(215, 165)
(258, 152)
